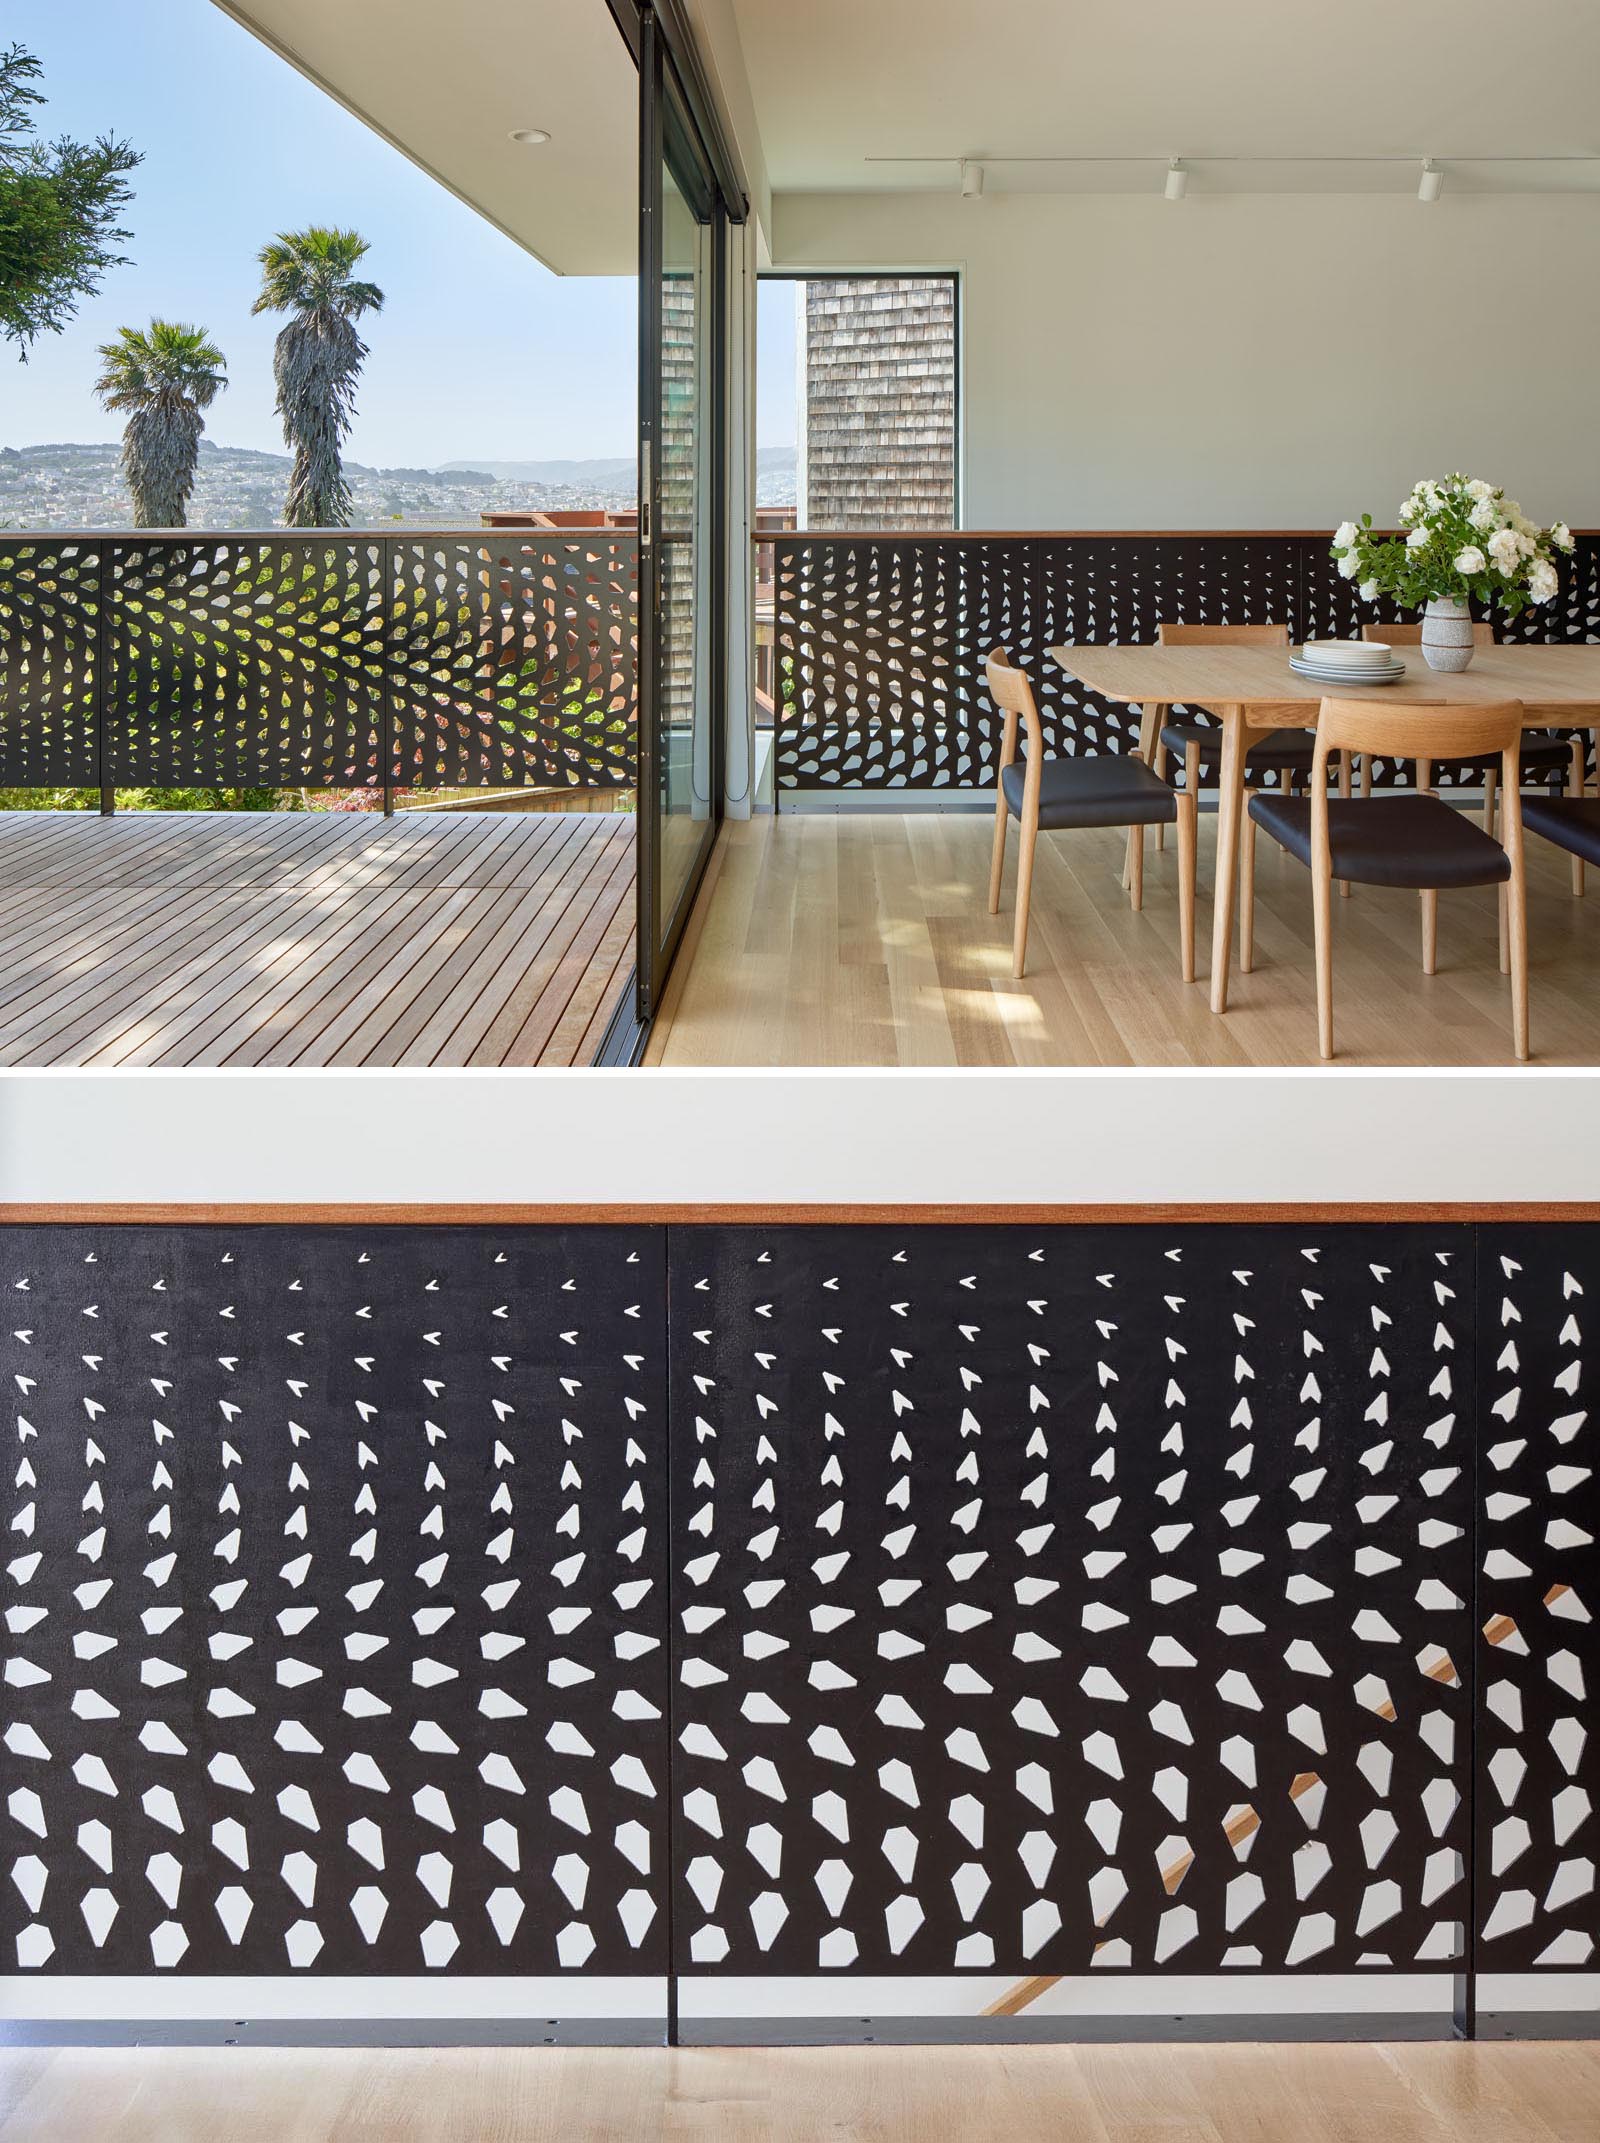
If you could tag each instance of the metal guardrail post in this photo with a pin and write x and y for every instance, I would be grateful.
(104, 658)
(386, 738)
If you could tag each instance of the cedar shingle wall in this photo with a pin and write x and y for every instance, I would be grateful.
(881, 403)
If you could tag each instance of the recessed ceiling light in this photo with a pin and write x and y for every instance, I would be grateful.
(530, 136)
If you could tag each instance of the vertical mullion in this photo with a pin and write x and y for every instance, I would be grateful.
(648, 802)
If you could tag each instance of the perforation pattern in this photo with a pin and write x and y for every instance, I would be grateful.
(256, 661)
(49, 661)
(285, 662)
(1071, 1599)
(334, 1601)
(514, 661)
(880, 641)
(1539, 1591)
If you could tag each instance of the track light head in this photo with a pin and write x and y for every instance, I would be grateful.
(1431, 182)
(1177, 181)
(971, 181)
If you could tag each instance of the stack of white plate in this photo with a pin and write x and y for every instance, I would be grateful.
(1347, 662)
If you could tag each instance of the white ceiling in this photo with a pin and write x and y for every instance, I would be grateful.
(838, 82)
(447, 80)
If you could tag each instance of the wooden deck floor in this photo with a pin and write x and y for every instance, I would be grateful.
(314, 938)
(864, 938)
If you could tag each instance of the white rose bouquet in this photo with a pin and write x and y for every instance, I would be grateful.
(1463, 539)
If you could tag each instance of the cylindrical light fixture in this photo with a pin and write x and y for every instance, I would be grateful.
(1431, 181)
(1177, 181)
(971, 181)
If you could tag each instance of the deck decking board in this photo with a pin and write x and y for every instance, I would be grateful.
(187, 938)
(392, 1039)
(543, 1022)
(523, 918)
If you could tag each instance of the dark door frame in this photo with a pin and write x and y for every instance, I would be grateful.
(669, 69)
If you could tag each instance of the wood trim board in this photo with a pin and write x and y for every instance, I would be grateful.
(1467, 1212)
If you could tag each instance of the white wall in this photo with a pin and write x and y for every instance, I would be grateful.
(795, 1138)
(1137, 363)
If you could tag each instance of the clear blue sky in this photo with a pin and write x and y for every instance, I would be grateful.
(237, 147)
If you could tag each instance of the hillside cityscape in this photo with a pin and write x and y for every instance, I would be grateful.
(82, 486)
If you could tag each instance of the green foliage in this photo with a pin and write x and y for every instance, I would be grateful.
(59, 208)
(154, 800)
(165, 376)
(1465, 541)
(316, 361)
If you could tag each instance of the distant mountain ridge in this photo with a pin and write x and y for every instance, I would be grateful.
(73, 485)
(607, 470)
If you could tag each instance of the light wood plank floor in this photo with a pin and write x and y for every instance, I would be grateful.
(326, 938)
(1431, 2093)
(864, 938)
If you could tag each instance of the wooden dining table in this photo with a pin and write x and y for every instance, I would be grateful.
(1252, 691)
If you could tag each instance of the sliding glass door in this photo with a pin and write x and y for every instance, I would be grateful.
(682, 563)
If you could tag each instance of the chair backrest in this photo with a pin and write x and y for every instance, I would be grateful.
(1223, 635)
(1426, 731)
(1013, 695)
(1411, 635)
(1419, 731)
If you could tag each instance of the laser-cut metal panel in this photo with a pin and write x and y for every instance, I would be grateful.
(334, 1600)
(1121, 588)
(880, 646)
(255, 661)
(1060, 1598)
(49, 661)
(514, 660)
(1538, 1836)
(880, 641)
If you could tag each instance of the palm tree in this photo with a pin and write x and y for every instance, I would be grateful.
(165, 375)
(316, 361)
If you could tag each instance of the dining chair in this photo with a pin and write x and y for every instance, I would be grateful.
(1101, 789)
(1542, 753)
(1571, 822)
(1198, 745)
(1414, 839)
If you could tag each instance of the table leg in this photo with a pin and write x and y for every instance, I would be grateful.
(1236, 743)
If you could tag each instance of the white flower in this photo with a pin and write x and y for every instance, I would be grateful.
(1418, 539)
(1484, 516)
(1345, 534)
(1543, 580)
(1409, 510)
(1368, 591)
(1471, 560)
(1505, 548)
(1349, 566)
(1561, 536)
(1478, 489)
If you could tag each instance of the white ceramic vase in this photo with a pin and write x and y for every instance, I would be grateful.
(1447, 642)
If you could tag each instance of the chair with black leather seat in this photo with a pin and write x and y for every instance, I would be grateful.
(1571, 822)
(1198, 747)
(1109, 789)
(1542, 754)
(1414, 839)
